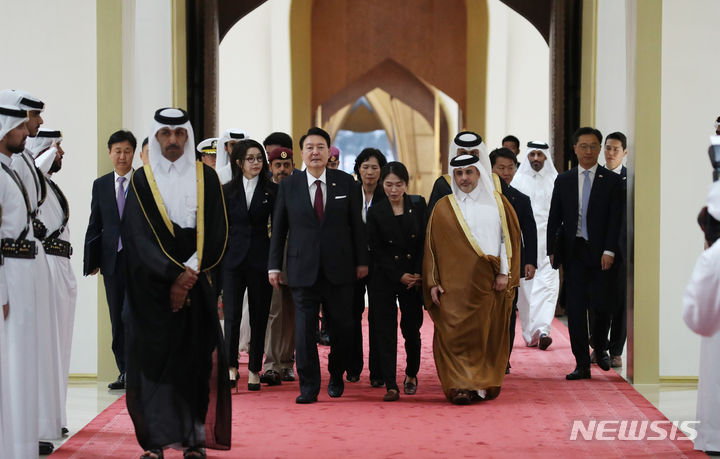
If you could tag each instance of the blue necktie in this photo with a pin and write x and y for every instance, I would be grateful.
(585, 200)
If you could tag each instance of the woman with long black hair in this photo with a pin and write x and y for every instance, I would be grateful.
(249, 200)
(396, 234)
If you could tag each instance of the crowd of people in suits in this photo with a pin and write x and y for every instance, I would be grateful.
(297, 242)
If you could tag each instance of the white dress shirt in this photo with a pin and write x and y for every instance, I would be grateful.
(618, 170)
(312, 186)
(125, 184)
(483, 218)
(581, 182)
(177, 182)
(366, 204)
(249, 186)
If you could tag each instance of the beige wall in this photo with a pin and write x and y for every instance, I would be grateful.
(53, 55)
(690, 104)
(518, 79)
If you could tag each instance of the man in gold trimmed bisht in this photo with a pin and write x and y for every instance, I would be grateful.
(470, 271)
(174, 230)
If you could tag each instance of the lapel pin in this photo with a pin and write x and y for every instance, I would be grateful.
(600, 176)
(333, 184)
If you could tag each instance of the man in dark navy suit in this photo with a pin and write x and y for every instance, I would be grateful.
(615, 152)
(317, 212)
(103, 246)
(583, 230)
(504, 164)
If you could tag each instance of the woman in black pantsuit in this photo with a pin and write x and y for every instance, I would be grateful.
(396, 233)
(249, 200)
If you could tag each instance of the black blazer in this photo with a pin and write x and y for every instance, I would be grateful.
(248, 237)
(603, 213)
(523, 209)
(622, 242)
(103, 231)
(337, 244)
(395, 248)
(441, 188)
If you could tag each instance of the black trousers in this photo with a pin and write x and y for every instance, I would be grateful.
(115, 294)
(337, 307)
(355, 357)
(586, 290)
(383, 318)
(617, 305)
(235, 281)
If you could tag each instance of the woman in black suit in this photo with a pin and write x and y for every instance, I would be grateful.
(367, 170)
(249, 200)
(396, 233)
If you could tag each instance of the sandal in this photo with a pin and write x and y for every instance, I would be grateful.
(195, 452)
(153, 454)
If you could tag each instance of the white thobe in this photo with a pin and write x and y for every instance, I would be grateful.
(481, 213)
(6, 436)
(537, 297)
(64, 290)
(177, 182)
(701, 312)
(50, 405)
(21, 326)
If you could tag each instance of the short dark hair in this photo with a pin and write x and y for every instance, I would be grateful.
(122, 136)
(365, 155)
(586, 130)
(511, 138)
(238, 154)
(145, 142)
(315, 131)
(618, 136)
(502, 153)
(397, 168)
(278, 138)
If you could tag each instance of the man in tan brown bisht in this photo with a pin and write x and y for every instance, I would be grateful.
(470, 272)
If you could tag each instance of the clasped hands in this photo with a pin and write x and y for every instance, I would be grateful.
(181, 287)
(499, 284)
(411, 280)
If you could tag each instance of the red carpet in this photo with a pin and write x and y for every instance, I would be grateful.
(532, 417)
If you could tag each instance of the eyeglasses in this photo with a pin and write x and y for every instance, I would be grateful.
(591, 146)
(254, 159)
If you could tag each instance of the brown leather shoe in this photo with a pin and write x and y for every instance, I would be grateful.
(461, 397)
(271, 378)
(391, 395)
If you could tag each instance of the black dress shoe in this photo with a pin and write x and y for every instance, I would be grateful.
(391, 395)
(45, 448)
(271, 378)
(253, 386)
(64, 431)
(544, 342)
(578, 374)
(336, 387)
(324, 339)
(352, 378)
(376, 382)
(118, 384)
(603, 361)
(305, 399)
(157, 453)
(287, 374)
(461, 397)
(410, 388)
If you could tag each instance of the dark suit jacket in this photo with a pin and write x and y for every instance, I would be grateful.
(441, 188)
(103, 229)
(396, 249)
(622, 243)
(523, 209)
(603, 213)
(248, 238)
(336, 244)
